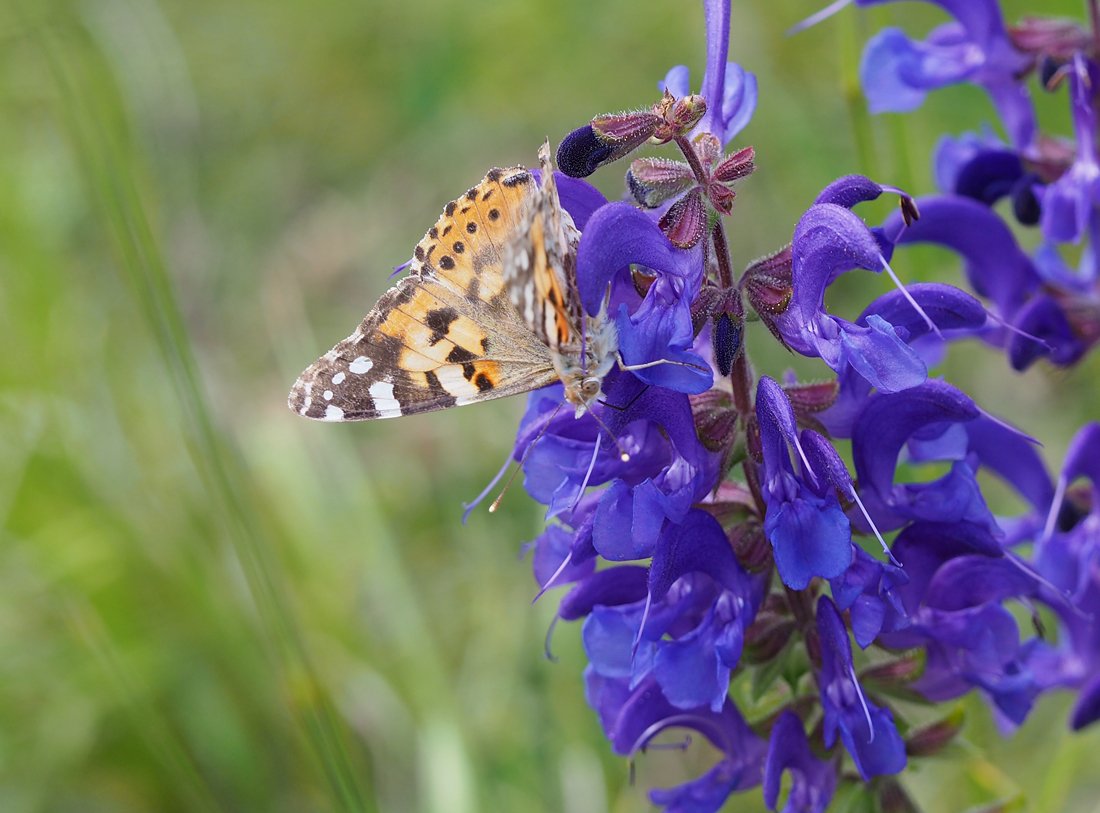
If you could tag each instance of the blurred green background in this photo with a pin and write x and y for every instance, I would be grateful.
(209, 604)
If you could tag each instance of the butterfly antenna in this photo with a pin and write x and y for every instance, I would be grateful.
(495, 504)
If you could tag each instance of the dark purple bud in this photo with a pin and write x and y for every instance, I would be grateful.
(722, 197)
(893, 798)
(581, 153)
(751, 546)
(767, 283)
(606, 139)
(726, 313)
(685, 222)
(726, 338)
(813, 397)
(738, 165)
(652, 181)
(1045, 36)
(767, 637)
(715, 419)
(930, 739)
(889, 676)
(1025, 203)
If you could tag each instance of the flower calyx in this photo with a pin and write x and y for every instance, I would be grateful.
(768, 285)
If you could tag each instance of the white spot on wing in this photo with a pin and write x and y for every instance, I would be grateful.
(361, 365)
(333, 413)
(381, 392)
(339, 378)
(328, 395)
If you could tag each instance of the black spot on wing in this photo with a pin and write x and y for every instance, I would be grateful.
(439, 322)
(483, 382)
(460, 355)
(471, 227)
(468, 370)
(439, 395)
(518, 179)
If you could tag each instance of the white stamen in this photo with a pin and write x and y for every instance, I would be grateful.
(909, 297)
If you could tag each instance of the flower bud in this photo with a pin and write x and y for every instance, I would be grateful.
(893, 798)
(894, 677)
(685, 222)
(678, 116)
(652, 181)
(715, 419)
(1052, 38)
(934, 737)
(722, 197)
(768, 285)
(767, 637)
(751, 546)
(738, 165)
(812, 397)
(606, 139)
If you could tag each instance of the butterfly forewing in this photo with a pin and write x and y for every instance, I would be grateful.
(447, 334)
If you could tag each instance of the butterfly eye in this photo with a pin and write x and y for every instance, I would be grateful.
(590, 387)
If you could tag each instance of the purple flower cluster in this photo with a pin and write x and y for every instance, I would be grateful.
(720, 552)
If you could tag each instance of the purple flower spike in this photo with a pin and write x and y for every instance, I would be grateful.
(813, 782)
(830, 240)
(868, 732)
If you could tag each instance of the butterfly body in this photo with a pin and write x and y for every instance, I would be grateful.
(489, 309)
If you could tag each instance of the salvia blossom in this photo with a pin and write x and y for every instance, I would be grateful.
(703, 518)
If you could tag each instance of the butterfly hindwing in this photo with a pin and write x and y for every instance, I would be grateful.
(540, 265)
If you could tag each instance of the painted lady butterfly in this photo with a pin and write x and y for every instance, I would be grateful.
(490, 308)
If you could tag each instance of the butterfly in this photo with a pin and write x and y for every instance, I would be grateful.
(489, 308)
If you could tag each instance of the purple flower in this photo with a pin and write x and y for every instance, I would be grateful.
(898, 72)
(813, 782)
(806, 526)
(867, 731)
(658, 330)
(828, 241)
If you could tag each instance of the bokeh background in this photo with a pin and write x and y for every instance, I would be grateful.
(209, 604)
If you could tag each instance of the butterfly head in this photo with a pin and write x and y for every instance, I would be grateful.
(582, 374)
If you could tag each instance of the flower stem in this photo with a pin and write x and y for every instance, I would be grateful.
(692, 159)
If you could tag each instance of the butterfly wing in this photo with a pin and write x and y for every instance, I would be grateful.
(540, 265)
(445, 335)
